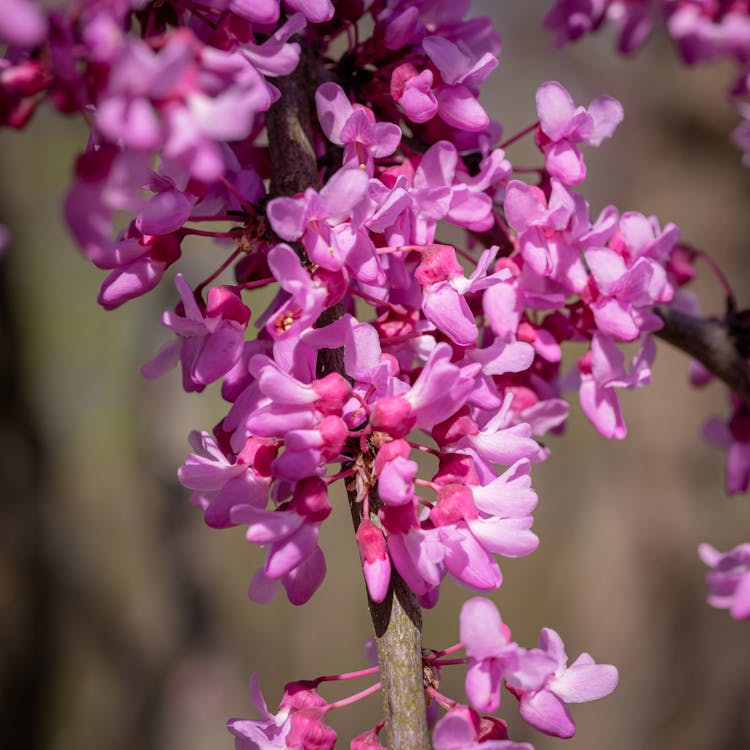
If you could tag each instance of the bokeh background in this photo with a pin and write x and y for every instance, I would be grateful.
(123, 619)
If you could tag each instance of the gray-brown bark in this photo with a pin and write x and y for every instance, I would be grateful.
(709, 342)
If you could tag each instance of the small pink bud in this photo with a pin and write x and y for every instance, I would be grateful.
(390, 450)
(333, 431)
(333, 391)
(224, 302)
(438, 264)
(375, 562)
(393, 414)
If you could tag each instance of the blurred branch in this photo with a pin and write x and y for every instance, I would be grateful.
(711, 343)
(29, 635)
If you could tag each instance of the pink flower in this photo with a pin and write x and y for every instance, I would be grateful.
(268, 732)
(444, 287)
(312, 217)
(733, 436)
(363, 139)
(439, 391)
(209, 341)
(490, 650)
(376, 564)
(602, 370)
(294, 558)
(22, 23)
(367, 741)
(729, 581)
(412, 90)
(584, 680)
(496, 442)
(563, 125)
(395, 473)
(221, 483)
(623, 297)
(547, 232)
(461, 729)
(462, 70)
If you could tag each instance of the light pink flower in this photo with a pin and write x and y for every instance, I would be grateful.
(563, 125)
(584, 680)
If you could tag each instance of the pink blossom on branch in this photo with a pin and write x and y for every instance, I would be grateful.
(379, 340)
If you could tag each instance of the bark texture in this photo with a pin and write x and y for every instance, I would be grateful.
(711, 343)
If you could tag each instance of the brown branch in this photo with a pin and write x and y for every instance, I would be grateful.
(398, 620)
(398, 636)
(709, 342)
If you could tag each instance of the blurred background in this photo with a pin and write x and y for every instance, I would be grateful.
(125, 622)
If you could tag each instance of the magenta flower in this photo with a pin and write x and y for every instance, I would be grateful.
(146, 258)
(307, 451)
(494, 657)
(602, 370)
(729, 581)
(291, 531)
(209, 341)
(22, 23)
(316, 11)
(563, 125)
(584, 680)
(268, 732)
(733, 436)
(545, 232)
(220, 484)
(462, 70)
(376, 564)
(622, 297)
(412, 90)
(444, 287)
(490, 650)
(395, 472)
(303, 297)
(461, 729)
(367, 741)
(312, 217)
(496, 442)
(363, 139)
(439, 391)
(572, 19)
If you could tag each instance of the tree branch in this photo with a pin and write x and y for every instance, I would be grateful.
(397, 620)
(711, 343)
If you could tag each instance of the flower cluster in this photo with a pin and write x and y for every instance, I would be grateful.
(702, 30)
(381, 341)
(539, 678)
